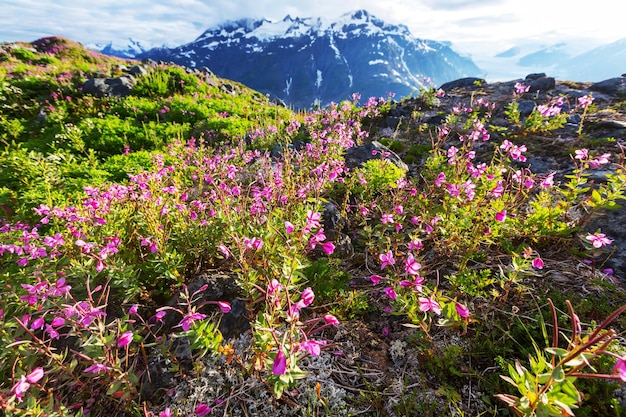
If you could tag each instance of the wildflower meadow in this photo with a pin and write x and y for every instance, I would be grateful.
(458, 268)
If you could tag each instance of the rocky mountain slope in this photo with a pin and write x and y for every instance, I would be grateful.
(306, 61)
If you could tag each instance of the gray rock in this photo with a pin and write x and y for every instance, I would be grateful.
(156, 378)
(610, 124)
(574, 118)
(109, 87)
(357, 155)
(279, 148)
(613, 224)
(526, 107)
(42, 116)
(392, 121)
(469, 82)
(612, 86)
(137, 70)
(331, 216)
(542, 84)
(229, 88)
(535, 76)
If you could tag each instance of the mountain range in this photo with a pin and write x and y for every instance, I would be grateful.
(308, 61)
(315, 61)
(566, 60)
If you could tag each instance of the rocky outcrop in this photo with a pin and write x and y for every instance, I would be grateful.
(551, 152)
(114, 87)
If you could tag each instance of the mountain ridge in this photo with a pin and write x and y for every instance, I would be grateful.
(316, 61)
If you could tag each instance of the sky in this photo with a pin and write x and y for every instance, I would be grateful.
(478, 28)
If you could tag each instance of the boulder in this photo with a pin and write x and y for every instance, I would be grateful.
(468, 82)
(357, 155)
(542, 84)
(109, 87)
(612, 86)
(137, 70)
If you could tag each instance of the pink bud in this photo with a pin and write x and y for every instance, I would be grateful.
(307, 296)
(224, 306)
(202, 410)
(280, 364)
(330, 319)
(462, 310)
(35, 375)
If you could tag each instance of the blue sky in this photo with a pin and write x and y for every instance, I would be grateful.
(480, 28)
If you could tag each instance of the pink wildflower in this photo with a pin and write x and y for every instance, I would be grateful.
(274, 286)
(585, 101)
(537, 263)
(386, 218)
(411, 266)
(429, 304)
(440, 180)
(548, 181)
(189, 319)
(312, 347)
(328, 248)
(581, 154)
(501, 216)
(620, 368)
(390, 292)
(20, 388)
(375, 279)
(599, 239)
(125, 339)
(386, 259)
(96, 368)
(159, 315)
(57, 322)
(202, 410)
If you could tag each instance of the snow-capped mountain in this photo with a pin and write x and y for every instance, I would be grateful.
(123, 49)
(576, 60)
(548, 56)
(598, 64)
(304, 61)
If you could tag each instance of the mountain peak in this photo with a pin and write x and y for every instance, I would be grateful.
(305, 60)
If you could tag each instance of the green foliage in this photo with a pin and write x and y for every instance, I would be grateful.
(332, 288)
(375, 177)
(548, 387)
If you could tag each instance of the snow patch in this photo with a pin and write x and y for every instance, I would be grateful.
(318, 81)
(288, 85)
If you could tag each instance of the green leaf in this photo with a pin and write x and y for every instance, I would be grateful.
(558, 374)
(568, 388)
(561, 353)
(596, 197)
(114, 387)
